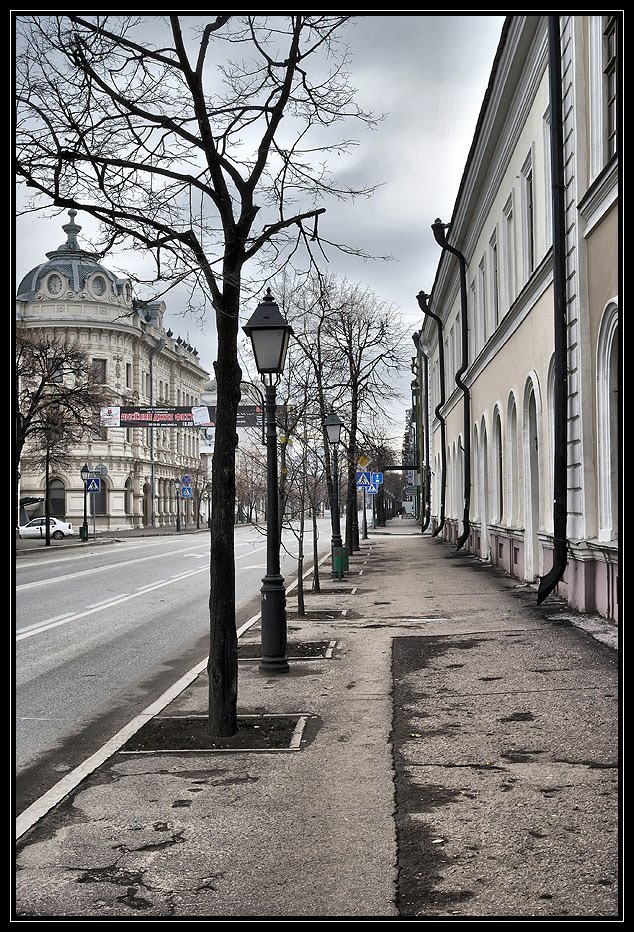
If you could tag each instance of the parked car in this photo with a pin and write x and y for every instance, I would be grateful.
(37, 528)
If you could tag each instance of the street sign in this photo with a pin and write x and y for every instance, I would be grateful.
(100, 470)
(363, 462)
(363, 479)
(187, 492)
(93, 484)
(186, 480)
(371, 490)
(377, 478)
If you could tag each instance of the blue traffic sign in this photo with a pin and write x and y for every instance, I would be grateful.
(377, 478)
(363, 479)
(371, 490)
(187, 491)
(186, 480)
(93, 484)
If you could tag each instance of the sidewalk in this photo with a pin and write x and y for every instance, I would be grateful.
(459, 758)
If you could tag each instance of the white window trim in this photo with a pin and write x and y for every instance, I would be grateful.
(527, 169)
(509, 249)
(494, 286)
(548, 178)
(606, 456)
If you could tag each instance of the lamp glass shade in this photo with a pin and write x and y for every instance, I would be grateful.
(333, 427)
(269, 349)
(269, 334)
(84, 472)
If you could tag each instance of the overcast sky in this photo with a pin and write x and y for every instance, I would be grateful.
(428, 74)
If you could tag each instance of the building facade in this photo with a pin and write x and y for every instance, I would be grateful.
(497, 482)
(139, 363)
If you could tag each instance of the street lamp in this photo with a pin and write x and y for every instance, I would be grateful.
(84, 472)
(333, 425)
(177, 484)
(269, 333)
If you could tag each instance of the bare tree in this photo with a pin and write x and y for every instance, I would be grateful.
(56, 397)
(190, 138)
(371, 337)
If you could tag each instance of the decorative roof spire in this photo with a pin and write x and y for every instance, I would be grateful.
(71, 245)
(71, 230)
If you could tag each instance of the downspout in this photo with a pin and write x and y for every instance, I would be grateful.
(424, 419)
(422, 299)
(427, 473)
(560, 479)
(416, 453)
(438, 229)
(155, 352)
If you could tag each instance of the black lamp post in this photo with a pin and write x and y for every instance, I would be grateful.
(333, 425)
(178, 505)
(84, 472)
(269, 333)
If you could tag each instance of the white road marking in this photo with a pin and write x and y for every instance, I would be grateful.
(49, 623)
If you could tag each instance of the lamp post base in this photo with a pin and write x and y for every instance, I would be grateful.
(273, 614)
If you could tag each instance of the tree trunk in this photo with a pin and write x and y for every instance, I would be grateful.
(316, 582)
(222, 666)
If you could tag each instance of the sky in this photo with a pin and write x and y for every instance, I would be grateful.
(428, 74)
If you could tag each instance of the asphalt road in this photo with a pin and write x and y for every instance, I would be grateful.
(102, 631)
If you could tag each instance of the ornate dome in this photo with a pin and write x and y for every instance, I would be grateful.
(71, 271)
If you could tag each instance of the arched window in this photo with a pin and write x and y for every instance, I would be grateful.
(100, 499)
(484, 492)
(514, 509)
(475, 496)
(57, 498)
(128, 497)
(608, 423)
(498, 468)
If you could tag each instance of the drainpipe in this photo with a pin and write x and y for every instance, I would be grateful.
(427, 474)
(438, 229)
(416, 337)
(153, 353)
(422, 299)
(560, 479)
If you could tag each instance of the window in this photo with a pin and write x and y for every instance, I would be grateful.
(528, 219)
(99, 371)
(99, 500)
(473, 335)
(482, 286)
(98, 432)
(128, 496)
(603, 91)
(609, 71)
(608, 423)
(548, 180)
(55, 371)
(57, 498)
(128, 434)
(509, 250)
(495, 279)
(128, 375)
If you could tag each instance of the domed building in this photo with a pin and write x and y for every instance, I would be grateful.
(140, 364)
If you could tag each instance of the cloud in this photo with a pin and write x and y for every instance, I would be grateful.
(427, 74)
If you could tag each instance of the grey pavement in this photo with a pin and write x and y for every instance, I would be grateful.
(460, 759)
